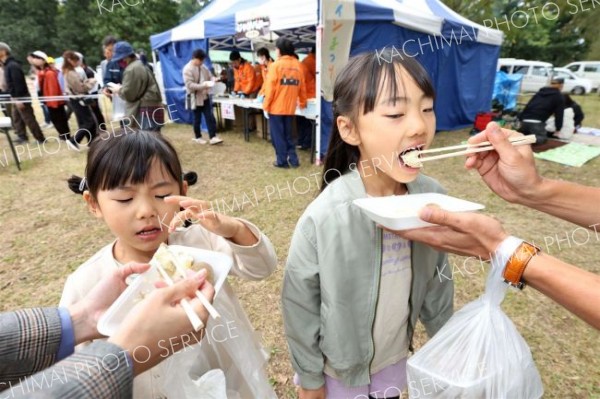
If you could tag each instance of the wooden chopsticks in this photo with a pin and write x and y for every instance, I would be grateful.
(197, 324)
(181, 270)
(414, 158)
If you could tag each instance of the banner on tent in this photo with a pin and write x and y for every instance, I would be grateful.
(252, 28)
(339, 17)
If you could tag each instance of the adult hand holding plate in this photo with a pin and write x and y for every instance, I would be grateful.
(462, 233)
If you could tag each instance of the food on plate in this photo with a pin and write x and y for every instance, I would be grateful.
(433, 205)
(165, 256)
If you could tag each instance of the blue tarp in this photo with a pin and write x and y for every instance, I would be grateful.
(506, 89)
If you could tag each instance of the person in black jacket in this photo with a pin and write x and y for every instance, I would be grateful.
(546, 102)
(22, 112)
(577, 111)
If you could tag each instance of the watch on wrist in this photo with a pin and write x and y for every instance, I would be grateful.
(517, 262)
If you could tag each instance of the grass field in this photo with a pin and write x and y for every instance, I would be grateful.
(46, 233)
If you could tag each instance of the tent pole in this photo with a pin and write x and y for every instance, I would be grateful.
(318, 40)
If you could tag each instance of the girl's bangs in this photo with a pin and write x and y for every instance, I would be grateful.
(130, 160)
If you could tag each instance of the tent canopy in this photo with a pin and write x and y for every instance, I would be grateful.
(219, 19)
(459, 55)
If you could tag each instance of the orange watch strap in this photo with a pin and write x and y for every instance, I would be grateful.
(513, 272)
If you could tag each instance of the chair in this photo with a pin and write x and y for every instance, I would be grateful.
(5, 126)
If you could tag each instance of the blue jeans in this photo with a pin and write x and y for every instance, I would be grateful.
(281, 136)
(206, 110)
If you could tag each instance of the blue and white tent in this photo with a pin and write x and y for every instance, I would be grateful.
(460, 55)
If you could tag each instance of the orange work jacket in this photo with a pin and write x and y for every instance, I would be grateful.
(310, 75)
(244, 77)
(284, 88)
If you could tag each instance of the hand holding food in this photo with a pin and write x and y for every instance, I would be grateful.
(509, 171)
(158, 318)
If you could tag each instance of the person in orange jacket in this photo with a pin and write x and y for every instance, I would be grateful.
(243, 73)
(264, 60)
(309, 68)
(310, 73)
(284, 91)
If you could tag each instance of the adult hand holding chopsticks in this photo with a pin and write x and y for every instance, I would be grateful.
(509, 170)
(511, 173)
(158, 325)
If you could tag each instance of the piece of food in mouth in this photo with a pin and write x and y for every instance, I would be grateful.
(410, 157)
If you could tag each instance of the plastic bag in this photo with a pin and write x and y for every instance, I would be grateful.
(119, 105)
(478, 354)
(230, 345)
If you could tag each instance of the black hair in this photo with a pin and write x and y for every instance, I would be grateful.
(108, 40)
(357, 89)
(199, 54)
(313, 50)
(234, 55)
(123, 156)
(285, 46)
(568, 101)
(263, 51)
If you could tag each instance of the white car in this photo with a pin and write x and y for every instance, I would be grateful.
(588, 70)
(573, 83)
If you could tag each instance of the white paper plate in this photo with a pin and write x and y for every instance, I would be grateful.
(144, 284)
(400, 212)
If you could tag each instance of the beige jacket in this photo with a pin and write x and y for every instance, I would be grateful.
(251, 263)
(194, 78)
(74, 84)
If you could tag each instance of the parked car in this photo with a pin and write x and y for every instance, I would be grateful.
(587, 69)
(573, 83)
(536, 74)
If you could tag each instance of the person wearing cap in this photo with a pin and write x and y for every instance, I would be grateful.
(510, 173)
(50, 87)
(546, 102)
(140, 90)
(198, 81)
(284, 91)
(22, 113)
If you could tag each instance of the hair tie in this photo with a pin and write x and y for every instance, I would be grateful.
(83, 184)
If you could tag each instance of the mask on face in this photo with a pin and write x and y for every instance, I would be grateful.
(261, 60)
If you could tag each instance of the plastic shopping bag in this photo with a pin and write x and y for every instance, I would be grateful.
(478, 354)
(230, 346)
(119, 106)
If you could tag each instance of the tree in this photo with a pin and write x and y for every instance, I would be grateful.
(189, 8)
(29, 25)
(136, 23)
(74, 20)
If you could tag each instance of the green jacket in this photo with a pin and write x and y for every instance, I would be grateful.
(331, 285)
(139, 88)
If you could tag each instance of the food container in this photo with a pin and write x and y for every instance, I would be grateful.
(143, 285)
(400, 212)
